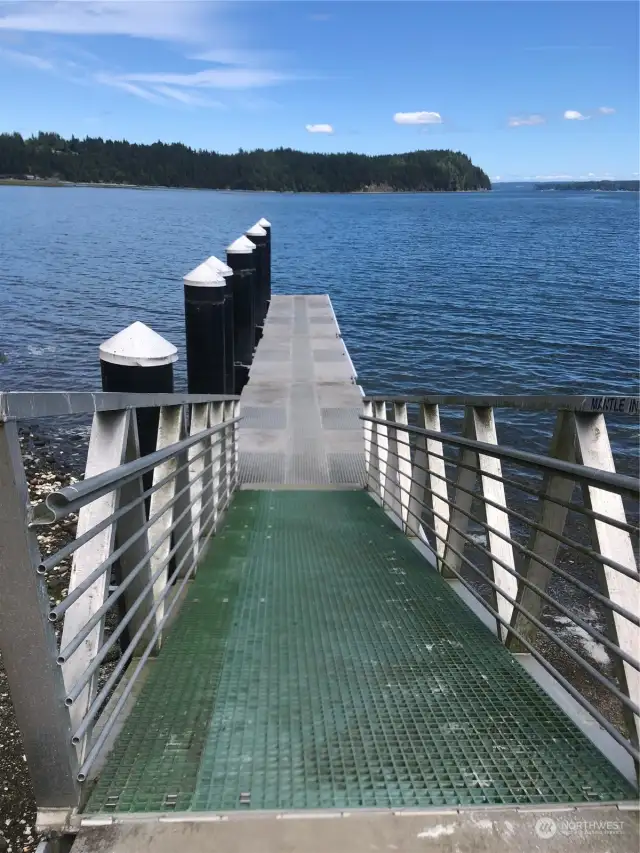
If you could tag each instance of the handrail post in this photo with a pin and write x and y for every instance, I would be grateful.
(392, 478)
(107, 447)
(479, 425)
(552, 516)
(218, 453)
(595, 451)
(403, 456)
(28, 644)
(381, 439)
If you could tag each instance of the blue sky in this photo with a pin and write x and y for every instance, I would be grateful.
(528, 89)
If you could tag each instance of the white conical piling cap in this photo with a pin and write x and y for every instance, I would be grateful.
(205, 276)
(138, 346)
(241, 246)
(264, 223)
(219, 266)
(256, 231)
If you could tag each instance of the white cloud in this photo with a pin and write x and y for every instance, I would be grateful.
(574, 115)
(606, 111)
(29, 59)
(496, 178)
(522, 121)
(171, 20)
(319, 128)
(421, 117)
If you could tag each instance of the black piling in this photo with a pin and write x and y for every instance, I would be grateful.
(139, 361)
(240, 257)
(258, 237)
(204, 314)
(264, 223)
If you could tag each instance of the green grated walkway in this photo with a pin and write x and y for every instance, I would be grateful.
(319, 662)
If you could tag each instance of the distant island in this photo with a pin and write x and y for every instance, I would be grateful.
(602, 186)
(49, 158)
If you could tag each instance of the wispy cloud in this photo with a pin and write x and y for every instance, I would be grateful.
(553, 178)
(173, 20)
(525, 121)
(574, 115)
(606, 111)
(319, 128)
(26, 59)
(236, 57)
(211, 78)
(132, 89)
(188, 98)
(421, 117)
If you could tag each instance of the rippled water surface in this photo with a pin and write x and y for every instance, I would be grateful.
(513, 291)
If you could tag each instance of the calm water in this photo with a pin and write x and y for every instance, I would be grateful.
(514, 291)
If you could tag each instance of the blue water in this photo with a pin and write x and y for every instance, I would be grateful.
(513, 291)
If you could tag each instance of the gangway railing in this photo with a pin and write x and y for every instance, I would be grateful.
(143, 523)
(541, 541)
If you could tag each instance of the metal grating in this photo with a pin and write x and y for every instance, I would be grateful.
(261, 468)
(336, 670)
(346, 468)
(308, 469)
(264, 417)
(341, 418)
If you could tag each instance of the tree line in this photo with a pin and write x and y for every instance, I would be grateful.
(96, 160)
(606, 186)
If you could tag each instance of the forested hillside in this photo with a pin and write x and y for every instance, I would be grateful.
(49, 156)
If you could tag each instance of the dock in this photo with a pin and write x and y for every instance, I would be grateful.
(300, 660)
(301, 409)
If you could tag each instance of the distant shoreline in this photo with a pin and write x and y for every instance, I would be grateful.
(46, 182)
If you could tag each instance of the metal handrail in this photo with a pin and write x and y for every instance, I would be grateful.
(111, 720)
(55, 559)
(56, 612)
(593, 404)
(64, 501)
(592, 476)
(559, 537)
(593, 632)
(25, 405)
(525, 643)
(104, 692)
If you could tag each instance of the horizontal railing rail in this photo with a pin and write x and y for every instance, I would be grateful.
(594, 403)
(26, 405)
(508, 541)
(143, 523)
